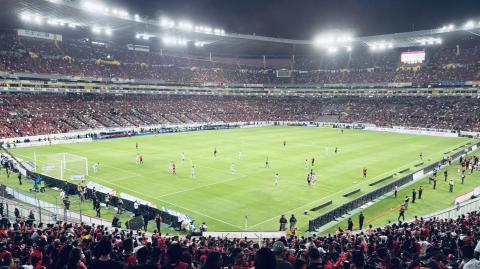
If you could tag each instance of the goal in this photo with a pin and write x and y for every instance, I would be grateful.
(66, 166)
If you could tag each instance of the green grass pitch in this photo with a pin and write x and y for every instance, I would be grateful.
(223, 199)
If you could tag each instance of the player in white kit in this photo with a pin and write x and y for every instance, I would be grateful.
(276, 179)
(232, 168)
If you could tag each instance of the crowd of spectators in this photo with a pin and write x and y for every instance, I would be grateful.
(432, 243)
(36, 114)
(80, 57)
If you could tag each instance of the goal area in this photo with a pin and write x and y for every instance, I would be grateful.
(66, 166)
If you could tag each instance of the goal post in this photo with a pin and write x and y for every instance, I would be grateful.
(66, 166)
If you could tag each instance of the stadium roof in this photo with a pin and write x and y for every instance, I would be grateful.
(88, 16)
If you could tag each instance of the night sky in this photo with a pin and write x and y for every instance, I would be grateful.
(303, 18)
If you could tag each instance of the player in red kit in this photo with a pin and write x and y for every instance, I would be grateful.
(140, 158)
(136, 146)
(174, 167)
(364, 172)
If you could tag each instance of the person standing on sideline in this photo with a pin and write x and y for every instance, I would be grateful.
(434, 179)
(395, 190)
(463, 177)
(361, 219)
(158, 222)
(450, 186)
(405, 202)
(420, 191)
(283, 222)
(19, 178)
(445, 174)
(401, 213)
(414, 196)
(350, 224)
(293, 222)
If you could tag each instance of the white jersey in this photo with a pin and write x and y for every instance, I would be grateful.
(239, 155)
(183, 156)
(276, 180)
(193, 172)
(306, 164)
(95, 167)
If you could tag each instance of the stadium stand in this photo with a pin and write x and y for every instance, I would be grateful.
(427, 243)
(83, 58)
(36, 114)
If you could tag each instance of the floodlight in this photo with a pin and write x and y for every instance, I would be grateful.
(166, 22)
(390, 45)
(439, 41)
(72, 25)
(108, 31)
(185, 26)
(207, 30)
(37, 19)
(349, 48)
(470, 24)
(136, 17)
(26, 17)
(423, 43)
(332, 50)
(96, 29)
(137, 36)
(451, 27)
(145, 37)
(53, 22)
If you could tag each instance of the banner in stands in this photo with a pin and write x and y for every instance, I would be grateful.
(131, 198)
(412, 131)
(41, 35)
(100, 188)
(418, 175)
(248, 235)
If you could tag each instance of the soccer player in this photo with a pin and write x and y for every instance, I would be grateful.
(284, 143)
(309, 179)
(421, 156)
(313, 161)
(313, 176)
(306, 165)
(276, 179)
(240, 155)
(232, 168)
(137, 159)
(401, 213)
(95, 167)
(365, 172)
(267, 165)
(183, 156)
(192, 175)
(136, 145)
(336, 150)
(174, 168)
(140, 158)
(215, 152)
(170, 167)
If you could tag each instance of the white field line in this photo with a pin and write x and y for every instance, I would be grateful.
(176, 205)
(336, 193)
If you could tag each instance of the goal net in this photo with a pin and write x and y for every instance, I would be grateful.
(66, 166)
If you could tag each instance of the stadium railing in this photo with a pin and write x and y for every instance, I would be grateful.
(335, 213)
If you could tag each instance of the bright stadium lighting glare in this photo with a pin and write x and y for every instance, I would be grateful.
(136, 17)
(37, 19)
(145, 37)
(423, 42)
(450, 27)
(185, 26)
(108, 31)
(207, 30)
(72, 25)
(94, 6)
(470, 24)
(53, 22)
(438, 41)
(96, 29)
(138, 36)
(349, 48)
(390, 45)
(166, 22)
(26, 17)
(332, 50)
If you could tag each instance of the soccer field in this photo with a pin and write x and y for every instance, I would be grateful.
(222, 199)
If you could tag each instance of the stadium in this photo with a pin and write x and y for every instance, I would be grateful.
(133, 137)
